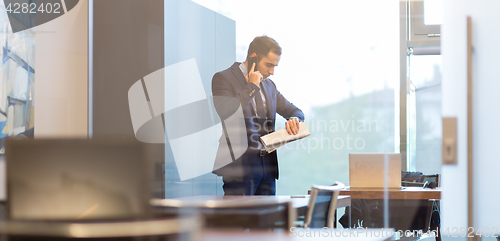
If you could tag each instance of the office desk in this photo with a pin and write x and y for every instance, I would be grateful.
(403, 203)
(212, 208)
(134, 229)
(405, 193)
(298, 202)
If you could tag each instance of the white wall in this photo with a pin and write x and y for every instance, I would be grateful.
(486, 117)
(61, 75)
(486, 65)
(454, 104)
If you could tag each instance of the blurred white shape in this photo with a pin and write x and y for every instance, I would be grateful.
(195, 154)
(138, 106)
(178, 86)
(433, 12)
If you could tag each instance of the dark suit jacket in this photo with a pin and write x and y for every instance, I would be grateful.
(230, 91)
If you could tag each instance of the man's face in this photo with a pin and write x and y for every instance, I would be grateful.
(267, 64)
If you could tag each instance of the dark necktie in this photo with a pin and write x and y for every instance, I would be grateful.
(261, 112)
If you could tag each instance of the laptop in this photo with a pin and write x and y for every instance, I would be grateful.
(366, 170)
(76, 179)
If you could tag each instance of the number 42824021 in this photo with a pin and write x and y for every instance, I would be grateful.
(33, 8)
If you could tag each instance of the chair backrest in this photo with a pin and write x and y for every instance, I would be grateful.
(172, 228)
(431, 178)
(425, 181)
(322, 203)
(76, 179)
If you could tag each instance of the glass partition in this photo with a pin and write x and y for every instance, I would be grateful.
(340, 66)
(425, 113)
(17, 80)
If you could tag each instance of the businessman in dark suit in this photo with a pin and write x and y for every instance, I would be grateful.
(242, 86)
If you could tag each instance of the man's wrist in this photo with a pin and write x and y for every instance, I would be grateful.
(294, 117)
(256, 84)
(253, 86)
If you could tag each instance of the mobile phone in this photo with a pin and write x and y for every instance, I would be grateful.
(250, 63)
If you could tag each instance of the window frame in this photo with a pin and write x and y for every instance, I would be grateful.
(420, 35)
(418, 39)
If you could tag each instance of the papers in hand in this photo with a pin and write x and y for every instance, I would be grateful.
(281, 137)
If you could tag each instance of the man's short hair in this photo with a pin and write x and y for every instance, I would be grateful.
(261, 45)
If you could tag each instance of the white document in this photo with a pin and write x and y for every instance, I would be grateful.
(281, 137)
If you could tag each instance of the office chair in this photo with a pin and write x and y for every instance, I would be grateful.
(430, 181)
(426, 181)
(434, 216)
(322, 204)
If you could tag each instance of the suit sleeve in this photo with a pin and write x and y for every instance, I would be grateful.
(225, 100)
(287, 109)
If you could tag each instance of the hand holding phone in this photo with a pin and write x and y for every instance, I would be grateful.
(251, 61)
(254, 76)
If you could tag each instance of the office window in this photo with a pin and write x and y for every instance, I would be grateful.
(423, 22)
(423, 81)
(339, 65)
(424, 102)
(17, 79)
(433, 12)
